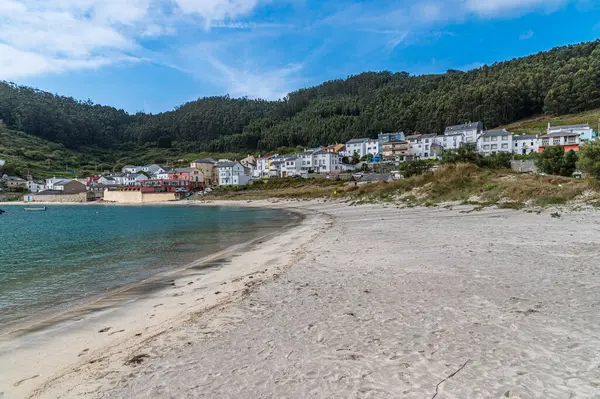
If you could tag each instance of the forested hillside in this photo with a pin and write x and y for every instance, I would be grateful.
(563, 80)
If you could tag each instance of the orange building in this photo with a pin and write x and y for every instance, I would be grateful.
(569, 140)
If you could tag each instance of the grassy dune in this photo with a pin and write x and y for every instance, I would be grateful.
(463, 183)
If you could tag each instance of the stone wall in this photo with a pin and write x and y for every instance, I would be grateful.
(137, 197)
(81, 197)
(524, 166)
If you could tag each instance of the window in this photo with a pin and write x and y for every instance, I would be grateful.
(504, 138)
(494, 146)
(495, 138)
(486, 147)
(556, 141)
(505, 146)
(546, 142)
(427, 140)
(427, 147)
(486, 139)
(572, 139)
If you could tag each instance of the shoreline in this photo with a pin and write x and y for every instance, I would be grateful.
(364, 300)
(80, 324)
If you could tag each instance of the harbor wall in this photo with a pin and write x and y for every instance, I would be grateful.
(137, 197)
(59, 198)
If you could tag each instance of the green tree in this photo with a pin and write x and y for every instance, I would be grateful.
(589, 159)
(551, 160)
(569, 163)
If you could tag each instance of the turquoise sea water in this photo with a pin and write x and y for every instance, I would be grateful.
(51, 260)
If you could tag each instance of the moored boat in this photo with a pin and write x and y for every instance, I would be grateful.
(39, 209)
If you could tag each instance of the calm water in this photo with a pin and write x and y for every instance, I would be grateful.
(50, 260)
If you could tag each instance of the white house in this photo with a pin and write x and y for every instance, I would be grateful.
(232, 173)
(523, 145)
(450, 141)
(372, 147)
(470, 131)
(164, 174)
(493, 141)
(131, 169)
(151, 169)
(292, 166)
(34, 186)
(585, 132)
(275, 166)
(50, 183)
(326, 162)
(356, 146)
(262, 166)
(108, 181)
(134, 179)
(569, 140)
(421, 145)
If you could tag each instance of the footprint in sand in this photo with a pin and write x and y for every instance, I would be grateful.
(116, 332)
(83, 352)
(104, 330)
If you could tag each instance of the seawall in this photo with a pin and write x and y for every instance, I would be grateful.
(138, 197)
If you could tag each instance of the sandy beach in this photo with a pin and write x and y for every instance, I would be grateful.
(366, 301)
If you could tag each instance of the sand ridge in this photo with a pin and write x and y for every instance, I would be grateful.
(377, 302)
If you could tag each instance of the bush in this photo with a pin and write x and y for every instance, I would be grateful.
(554, 161)
(589, 159)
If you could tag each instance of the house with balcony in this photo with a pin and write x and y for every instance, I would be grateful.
(493, 141)
(292, 166)
(570, 140)
(470, 131)
(585, 132)
(232, 173)
(524, 145)
(396, 150)
(395, 136)
(262, 165)
(421, 146)
(450, 141)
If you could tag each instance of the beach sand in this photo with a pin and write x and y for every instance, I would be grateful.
(356, 302)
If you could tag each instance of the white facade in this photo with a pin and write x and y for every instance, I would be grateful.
(319, 161)
(523, 145)
(50, 183)
(372, 147)
(450, 141)
(131, 169)
(560, 138)
(232, 174)
(470, 131)
(262, 166)
(585, 132)
(151, 169)
(107, 181)
(356, 146)
(291, 166)
(35, 187)
(421, 145)
(494, 141)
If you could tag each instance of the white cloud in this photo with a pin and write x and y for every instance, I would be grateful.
(63, 35)
(527, 35)
(492, 8)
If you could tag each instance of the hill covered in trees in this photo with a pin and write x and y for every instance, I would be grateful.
(560, 81)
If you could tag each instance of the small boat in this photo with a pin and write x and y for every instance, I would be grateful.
(43, 208)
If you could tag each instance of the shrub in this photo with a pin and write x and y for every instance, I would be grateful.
(589, 159)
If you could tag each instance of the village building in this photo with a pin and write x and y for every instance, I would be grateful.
(14, 182)
(356, 146)
(386, 137)
(372, 147)
(493, 141)
(450, 141)
(570, 140)
(421, 146)
(396, 150)
(524, 145)
(69, 186)
(585, 132)
(262, 165)
(232, 173)
(470, 131)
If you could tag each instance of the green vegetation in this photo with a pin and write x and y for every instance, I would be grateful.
(589, 159)
(462, 183)
(554, 161)
(539, 124)
(469, 154)
(561, 81)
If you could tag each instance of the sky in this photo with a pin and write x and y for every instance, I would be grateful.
(153, 55)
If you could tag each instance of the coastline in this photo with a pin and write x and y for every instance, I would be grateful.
(358, 301)
(81, 325)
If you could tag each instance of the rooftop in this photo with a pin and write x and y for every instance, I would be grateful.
(561, 134)
(524, 137)
(356, 141)
(494, 133)
(465, 126)
(568, 127)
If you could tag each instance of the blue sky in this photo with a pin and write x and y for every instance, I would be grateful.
(152, 55)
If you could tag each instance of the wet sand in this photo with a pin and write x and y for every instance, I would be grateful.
(358, 301)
